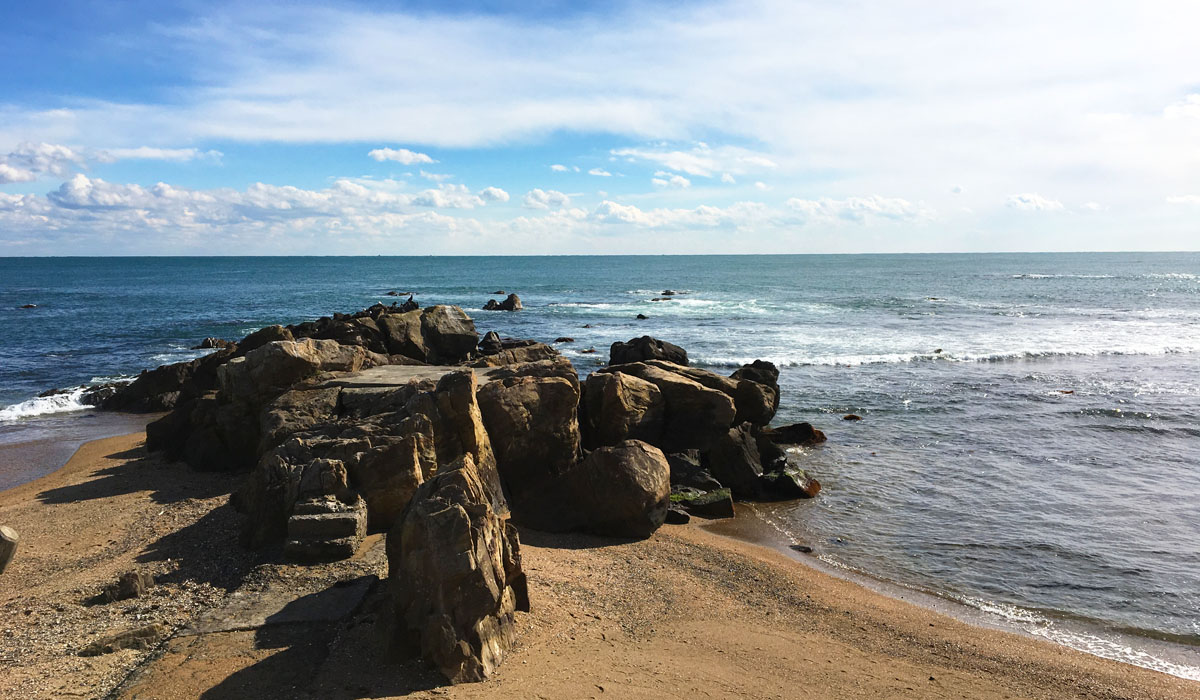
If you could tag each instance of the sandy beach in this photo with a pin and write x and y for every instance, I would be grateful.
(684, 614)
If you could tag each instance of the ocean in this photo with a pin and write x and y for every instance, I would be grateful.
(1030, 441)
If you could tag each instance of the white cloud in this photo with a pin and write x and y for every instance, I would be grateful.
(760, 185)
(29, 160)
(663, 179)
(700, 160)
(147, 153)
(545, 199)
(1092, 206)
(559, 168)
(400, 155)
(1187, 108)
(727, 178)
(1031, 201)
(599, 172)
(735, 216)
(436, 177)
(858, 209)
(9, 174)
(1189, 199)
(957, 189)
(493, 194)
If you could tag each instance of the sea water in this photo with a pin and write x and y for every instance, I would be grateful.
(1030, 434)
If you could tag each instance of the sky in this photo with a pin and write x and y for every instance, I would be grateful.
(543, 127)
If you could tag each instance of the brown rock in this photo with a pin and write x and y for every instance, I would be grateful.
(619, 407)
(455, 576)
(142, 638)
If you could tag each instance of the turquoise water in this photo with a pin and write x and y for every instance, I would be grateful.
(1031, 425)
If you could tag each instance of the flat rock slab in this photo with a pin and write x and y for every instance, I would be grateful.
(251, 610)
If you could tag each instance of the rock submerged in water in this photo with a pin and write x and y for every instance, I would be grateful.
(511, 303)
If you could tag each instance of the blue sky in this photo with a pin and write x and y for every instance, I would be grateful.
(555, 127)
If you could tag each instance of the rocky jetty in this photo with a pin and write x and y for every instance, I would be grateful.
(403, 420)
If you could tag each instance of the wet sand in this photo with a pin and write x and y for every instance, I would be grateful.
(684, 614)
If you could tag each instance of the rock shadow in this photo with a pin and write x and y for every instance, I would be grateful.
(167, 482)
(329, 647)
(570, 540)
(207, 551)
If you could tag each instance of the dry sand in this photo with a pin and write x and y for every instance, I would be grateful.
(684, 614)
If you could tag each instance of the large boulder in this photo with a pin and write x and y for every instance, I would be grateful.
(455, 576)
(622, 491)
(527, 351)
(694, 417)
(646, 348)
(761, 372)
(275, 367)
(754, 402)
(734, 461)
(530, 412)
(795, 434)
(261, 337)
(449, 334)
(618, 407)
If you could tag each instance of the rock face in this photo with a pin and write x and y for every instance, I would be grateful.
(694, 415)
(646, 348)
(622, 491)
(619, 407)
(510, 303)
(455, 576)
(530, 413)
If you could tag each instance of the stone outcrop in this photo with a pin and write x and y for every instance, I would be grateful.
(529, 411)
(511, 303)
(455, 576)
(795, 434)
(619, 407)
(694, 415)
(646, 348)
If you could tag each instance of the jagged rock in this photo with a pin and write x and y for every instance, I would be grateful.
(455, 576)
(764, 373)
(213, 344)
(790, 482)
(511, 354)
(491, 343)
(642, 317)
(530, 412)
(735, 462)
(511, 303)
(695, 416)
(564, 339)
(294, 411)
(273, 368)
(449, 334)
(754, 402)
(795, 434)
(618, 407)
(687, 472)
(852, 416)
(261, 337)
(646, 348)
(705, 504)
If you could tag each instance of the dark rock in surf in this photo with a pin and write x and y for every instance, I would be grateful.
(795, 434)
(646, 348)
(510, 303)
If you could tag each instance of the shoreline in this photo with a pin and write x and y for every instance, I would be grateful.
(1091, 637)
(687, 610)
